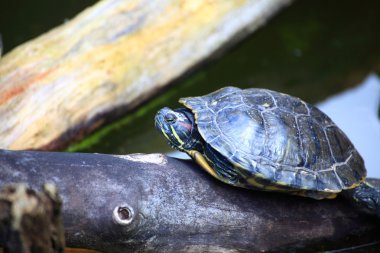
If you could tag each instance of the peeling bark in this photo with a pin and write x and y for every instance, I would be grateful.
(153, 203)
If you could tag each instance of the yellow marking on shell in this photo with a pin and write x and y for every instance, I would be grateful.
(266, 105)
(332, 196)
(176, 135)
(323, 195)
(260, 175)
(252, 181)
(330, 190)
(282, 183)
(358, 183)
(201, 161)
(274, 188)
(304, 187)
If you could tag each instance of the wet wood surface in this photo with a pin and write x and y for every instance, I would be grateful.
(153, 203)
(109, 59)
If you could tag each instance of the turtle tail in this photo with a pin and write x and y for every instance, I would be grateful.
(366, 197)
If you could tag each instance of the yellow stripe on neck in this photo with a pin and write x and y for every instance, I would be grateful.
(176, 135)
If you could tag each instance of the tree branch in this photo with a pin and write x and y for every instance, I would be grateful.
(139, 203)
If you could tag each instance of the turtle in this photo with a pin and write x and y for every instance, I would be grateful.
(270, 141)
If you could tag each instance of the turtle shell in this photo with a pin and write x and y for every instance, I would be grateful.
(279, 138)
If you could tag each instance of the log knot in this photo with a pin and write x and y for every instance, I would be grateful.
(123, 214)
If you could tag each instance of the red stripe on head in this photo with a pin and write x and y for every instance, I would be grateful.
(186, 125)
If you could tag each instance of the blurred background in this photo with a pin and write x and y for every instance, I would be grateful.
(325, 52)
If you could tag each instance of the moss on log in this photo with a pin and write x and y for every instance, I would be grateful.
(153, 203)
(109, 59)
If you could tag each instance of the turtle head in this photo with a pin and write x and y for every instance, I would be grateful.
(179, 128)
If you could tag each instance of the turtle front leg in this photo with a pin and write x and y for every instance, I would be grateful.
(201, 161)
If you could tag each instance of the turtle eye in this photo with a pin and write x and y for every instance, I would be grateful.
(170, 118)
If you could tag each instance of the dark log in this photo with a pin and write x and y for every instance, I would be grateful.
(30, 222)
(152, 203)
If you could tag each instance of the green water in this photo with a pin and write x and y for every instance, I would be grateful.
(312, 49)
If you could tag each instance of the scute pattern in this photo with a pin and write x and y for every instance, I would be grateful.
(277, 137)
